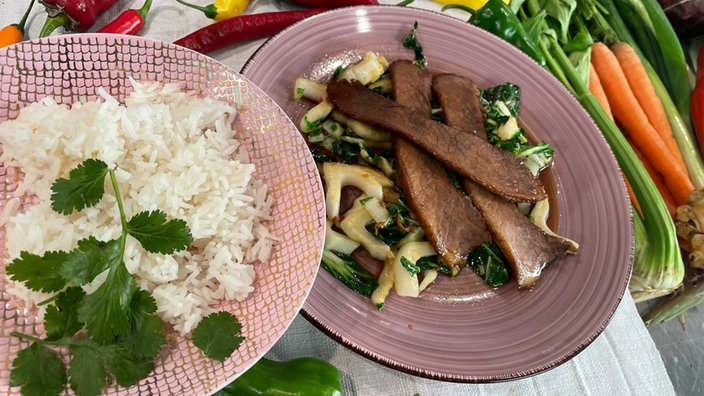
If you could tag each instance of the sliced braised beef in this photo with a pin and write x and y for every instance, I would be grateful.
(497, 170)
(451, 222)
(527, 248)
(459, 99)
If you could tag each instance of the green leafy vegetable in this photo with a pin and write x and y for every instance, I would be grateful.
(410, 266)
(411, 41)
(83, 189)
(490, 264)
(39, 273)
(38, 371)
(218, 335)
(145, 336)
(61, 318)
(349, 272)
(89, 259)
(87, 371)
(159, 235)
(105, 310)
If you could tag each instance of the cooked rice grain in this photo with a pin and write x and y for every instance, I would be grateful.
(174, 152)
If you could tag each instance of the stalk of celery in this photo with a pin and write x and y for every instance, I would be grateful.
(658, 267)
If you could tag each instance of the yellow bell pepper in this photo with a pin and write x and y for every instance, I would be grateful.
(220, 10)
(473, 4)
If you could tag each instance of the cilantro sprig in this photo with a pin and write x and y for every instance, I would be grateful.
(114, 331)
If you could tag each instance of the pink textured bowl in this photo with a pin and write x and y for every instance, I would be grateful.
(71, 68)
(460, 329)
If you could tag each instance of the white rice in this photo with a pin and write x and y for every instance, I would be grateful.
(174, 152)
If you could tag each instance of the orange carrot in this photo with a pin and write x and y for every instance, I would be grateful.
(644, 92)
(597, 90)
(632, 195)
(632, 118)
(657, 179)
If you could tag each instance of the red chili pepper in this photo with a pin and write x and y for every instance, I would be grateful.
(697, 101)
(333, 3)
(129, 22)
(242, 28)
(73, 15)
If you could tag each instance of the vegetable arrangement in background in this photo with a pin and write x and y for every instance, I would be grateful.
(623, 61)
(301, 376)
(13, 34)
(73, 15)
(220, 10)
(129, 22)
(242, 28)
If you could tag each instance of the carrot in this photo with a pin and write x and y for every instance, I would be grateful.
(632, 118)
(632, 195)
(644, 92)
(597, 90)
(657, 179)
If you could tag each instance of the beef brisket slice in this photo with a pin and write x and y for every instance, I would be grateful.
(460, 101)
(526, 247)
(498, 170)
(451, 222)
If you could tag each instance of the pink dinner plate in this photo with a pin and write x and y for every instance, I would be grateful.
(70, 68)
(461, 330)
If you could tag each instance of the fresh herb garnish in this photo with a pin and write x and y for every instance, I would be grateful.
(218, 335)
(411, 41)
(112, 332)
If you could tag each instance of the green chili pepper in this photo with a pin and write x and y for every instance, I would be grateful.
(498, 18)
(305, 376)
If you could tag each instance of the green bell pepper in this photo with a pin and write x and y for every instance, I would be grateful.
(497, 17)
(304, 376)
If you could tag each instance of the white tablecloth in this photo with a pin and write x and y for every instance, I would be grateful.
(623, 360)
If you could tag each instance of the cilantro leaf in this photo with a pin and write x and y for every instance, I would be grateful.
(89, 259)
(145, 337)
(218, 335)
(84, 187)
(105, 310)
(127, 369)
(39, 371)
(39, 273)
(61, 318)
(157, 235)
(87, 371)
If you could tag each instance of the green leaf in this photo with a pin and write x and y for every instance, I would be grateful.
(39, 273)
(83, 189)
(89, 259)
(411, 267)
(146, 337)
(87, 372)
(105, 311)
(38, 371)
(218, 335)
(157, 235)
(61, 318)
(127, 369)
(561, 12)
